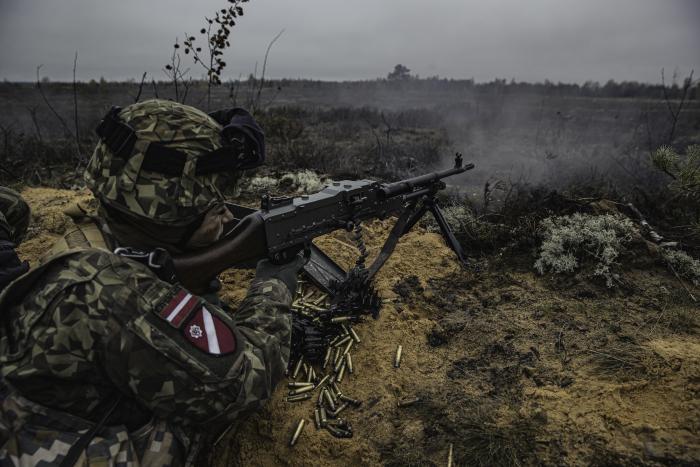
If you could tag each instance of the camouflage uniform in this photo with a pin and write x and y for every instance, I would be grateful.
(89, 330)
(14, 220)
(14, 216)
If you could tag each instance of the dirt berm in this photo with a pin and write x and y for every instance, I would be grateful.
(511, 368)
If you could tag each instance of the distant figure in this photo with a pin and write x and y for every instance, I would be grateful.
(14, 220)
(105, 358)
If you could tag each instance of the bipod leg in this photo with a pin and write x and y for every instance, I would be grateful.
(403, 225)
(446, 230)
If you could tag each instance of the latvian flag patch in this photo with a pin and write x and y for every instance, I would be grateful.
(209, 333)
(179, 308)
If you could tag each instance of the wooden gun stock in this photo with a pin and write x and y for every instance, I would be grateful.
(244, 244)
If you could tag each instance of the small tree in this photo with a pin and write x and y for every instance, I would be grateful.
(400, 73)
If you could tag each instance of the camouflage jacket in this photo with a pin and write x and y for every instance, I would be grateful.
(89, 327)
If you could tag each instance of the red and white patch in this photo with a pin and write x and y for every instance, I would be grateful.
(179, 308)
(209, 333)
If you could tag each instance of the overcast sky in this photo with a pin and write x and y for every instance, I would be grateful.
(529, 40)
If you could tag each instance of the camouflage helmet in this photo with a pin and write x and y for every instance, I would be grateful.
(165, 163)
(14, 216)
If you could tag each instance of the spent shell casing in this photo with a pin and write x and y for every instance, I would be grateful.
(297, 432)
(348, 346)
(323, 415)
(309, 374)
(329, 399)
(345, 329)
(335, 341)
(335, 387)
(341, 319)
(408, 402)
(297, 367)
(354, 335)
(319, 400)
(339, 363)
(317, 418)
(307, 296)
(323, 381)
(298, 384)
(299, 397)
(341, 372)
(321, 298)
(450, 456)
(327, 357)
(343, 341)
(339, 432)
(397, 358)
(336, 356)
(302, 390)
(342, 407)
(350, 400)
(348, 362)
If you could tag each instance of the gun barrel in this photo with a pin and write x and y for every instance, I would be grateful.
(406, 186)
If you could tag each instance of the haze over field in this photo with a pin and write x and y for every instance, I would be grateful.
(569, 41)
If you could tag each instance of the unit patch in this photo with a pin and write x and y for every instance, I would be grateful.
(209, 333)
(179, 308)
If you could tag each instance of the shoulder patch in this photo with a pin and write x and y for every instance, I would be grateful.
(209, 333)
(178, 308)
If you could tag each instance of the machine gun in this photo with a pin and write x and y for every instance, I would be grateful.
(284, 226)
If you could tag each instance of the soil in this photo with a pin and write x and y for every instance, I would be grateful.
(511, 368)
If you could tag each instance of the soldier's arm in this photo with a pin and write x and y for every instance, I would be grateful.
(186, 359)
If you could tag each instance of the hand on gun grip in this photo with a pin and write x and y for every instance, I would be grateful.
(286, 272)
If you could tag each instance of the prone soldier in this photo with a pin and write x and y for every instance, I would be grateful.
(104, 356)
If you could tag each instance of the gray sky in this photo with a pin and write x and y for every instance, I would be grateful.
(529, 40)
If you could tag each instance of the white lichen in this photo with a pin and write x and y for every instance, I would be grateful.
(567, 241)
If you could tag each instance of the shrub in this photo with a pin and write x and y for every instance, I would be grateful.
(568, 240)
(684, 264)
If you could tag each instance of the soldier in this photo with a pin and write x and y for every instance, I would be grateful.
(14, 220)
(104, 357)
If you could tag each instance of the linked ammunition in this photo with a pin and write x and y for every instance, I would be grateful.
(397, 358)
(324, 416)
(354, 335)
(348, 362)
(317, 418)
(299, 397)
(450, 456)
(348, 346)
(302, 390)
(408, 402)
(297, 432)
(297, 367)
(298, 384)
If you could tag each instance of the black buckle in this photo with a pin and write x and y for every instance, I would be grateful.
(117, 135)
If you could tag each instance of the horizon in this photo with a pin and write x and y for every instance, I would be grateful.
(326, 40)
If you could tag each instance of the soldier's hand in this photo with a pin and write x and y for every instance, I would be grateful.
(286, 272)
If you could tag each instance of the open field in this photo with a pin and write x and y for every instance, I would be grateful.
(511, 367)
